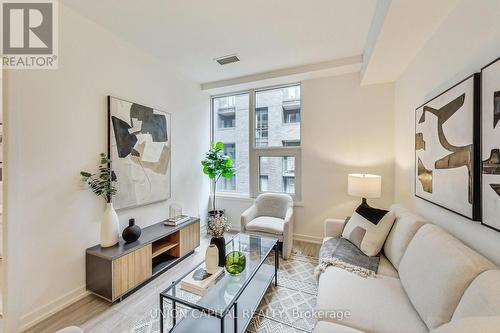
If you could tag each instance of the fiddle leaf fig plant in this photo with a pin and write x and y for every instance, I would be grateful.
(216, 165)
(102, 183)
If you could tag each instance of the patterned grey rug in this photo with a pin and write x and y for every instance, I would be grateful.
(286, 308)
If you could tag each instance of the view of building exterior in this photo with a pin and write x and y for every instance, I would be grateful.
(276, 124)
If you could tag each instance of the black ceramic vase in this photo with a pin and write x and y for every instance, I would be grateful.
(220, 242)
(132, 232)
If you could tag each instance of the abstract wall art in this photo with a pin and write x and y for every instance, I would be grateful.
(490, 129)
(140, 151)
(447, 147)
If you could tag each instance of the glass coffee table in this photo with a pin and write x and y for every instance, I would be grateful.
(228, 305)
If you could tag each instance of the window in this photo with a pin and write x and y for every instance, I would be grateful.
(288, 165)
(279, 173)
(261, 128)
(291, 94)
(291, 116)
(291, 105)
(228, 184)
(291, 143)
(226, 102)
(226, 115)
(289, 184)
(227, 120)
(263, 183)
(235, 138)
(282, 106)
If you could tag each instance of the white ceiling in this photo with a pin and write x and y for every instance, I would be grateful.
(266, 34)
(404, 26)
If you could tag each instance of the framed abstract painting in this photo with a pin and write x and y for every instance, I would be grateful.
(447, 149)
(140, 150)
(490, 128)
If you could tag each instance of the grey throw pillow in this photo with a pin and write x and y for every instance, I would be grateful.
(368, 228)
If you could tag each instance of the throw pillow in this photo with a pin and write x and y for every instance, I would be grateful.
(368, 228)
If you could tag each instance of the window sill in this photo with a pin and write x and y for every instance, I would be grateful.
(246, 197)
(233, 196)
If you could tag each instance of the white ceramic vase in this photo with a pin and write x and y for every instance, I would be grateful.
(110, 227)
(212, 259)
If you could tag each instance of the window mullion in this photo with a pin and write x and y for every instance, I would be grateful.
(253, 176)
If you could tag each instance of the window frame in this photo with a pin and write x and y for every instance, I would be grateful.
(256, 152)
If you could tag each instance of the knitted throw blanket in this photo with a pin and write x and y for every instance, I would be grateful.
(339, 252)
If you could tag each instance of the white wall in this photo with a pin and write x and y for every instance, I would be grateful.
(346, 128)
(57, 121)
(467, 40)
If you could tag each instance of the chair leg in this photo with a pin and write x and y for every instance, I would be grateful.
(286, 250)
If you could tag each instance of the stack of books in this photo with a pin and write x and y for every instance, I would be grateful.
(174, 221)
(199, 281)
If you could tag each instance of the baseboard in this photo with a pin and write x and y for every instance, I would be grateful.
(45, 311)
(308, 239)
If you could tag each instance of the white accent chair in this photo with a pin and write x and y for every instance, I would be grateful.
(271, 215)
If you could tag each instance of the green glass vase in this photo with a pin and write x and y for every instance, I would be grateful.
(235, 263)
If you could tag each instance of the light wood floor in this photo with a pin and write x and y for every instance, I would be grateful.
(95, 315)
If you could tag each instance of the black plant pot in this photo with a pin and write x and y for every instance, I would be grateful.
(211, 215)
(218, 212)
(220, 242)
(132, 232)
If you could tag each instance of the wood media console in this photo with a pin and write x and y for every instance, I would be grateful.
(113, 272)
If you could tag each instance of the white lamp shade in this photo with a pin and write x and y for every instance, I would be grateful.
(364, 185)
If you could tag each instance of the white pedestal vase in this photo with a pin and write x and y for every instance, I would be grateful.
(212, 259)
(110, 227)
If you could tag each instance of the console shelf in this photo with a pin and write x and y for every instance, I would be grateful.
(116, 271)
(162, 247)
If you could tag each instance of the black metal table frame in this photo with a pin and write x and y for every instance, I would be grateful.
(222, 315)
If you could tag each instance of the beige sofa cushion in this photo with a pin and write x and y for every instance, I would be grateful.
(376, 304)
(470, 325)
(385, 268)
(482, 297)
(402, 232)
(435, 271)
(327, 327)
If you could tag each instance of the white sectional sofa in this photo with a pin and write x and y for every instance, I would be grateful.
(427, 281)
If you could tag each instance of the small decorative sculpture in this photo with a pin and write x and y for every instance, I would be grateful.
(132, 232)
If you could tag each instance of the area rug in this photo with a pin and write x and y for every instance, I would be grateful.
(287, 308)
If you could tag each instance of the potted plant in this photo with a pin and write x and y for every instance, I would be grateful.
(102, 184)
(217, 165)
